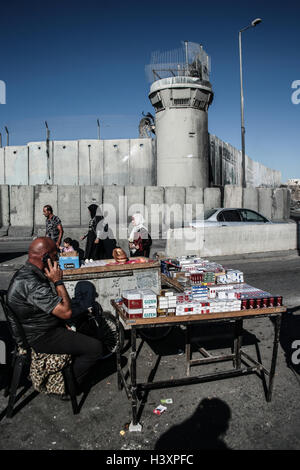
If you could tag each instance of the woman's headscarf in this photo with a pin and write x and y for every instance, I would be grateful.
(138, 223)
(93, 209)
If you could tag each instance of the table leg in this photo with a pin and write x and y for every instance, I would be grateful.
(238, 328)
(133, 377)
(274, 357)
(118, 354)
(188, 350)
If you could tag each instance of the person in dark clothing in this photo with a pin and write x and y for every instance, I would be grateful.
(139, 240)
(105, 241)
(90, 247)
(44, 311)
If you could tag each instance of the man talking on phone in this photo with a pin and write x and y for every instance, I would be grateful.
(43, 311)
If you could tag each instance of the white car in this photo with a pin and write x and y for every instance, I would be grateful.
(229, 216)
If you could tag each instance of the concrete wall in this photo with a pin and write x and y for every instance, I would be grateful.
(221, 241)
(120, 162)
(226, 164)
(21, 206)
(82, 162)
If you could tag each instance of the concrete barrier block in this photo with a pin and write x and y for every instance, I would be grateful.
(141, 160)
(135, 197)
(21, 211)
(212, 198)
(174, 213)
(194, 200)
(154, 202)
(250, 198)
(278, 204)
(265, 202)
(89, 195)
(114, 209)
(40, 163)
(68, 209)
(233, 196)
(4, 209)
(286, 203)
(90, 162)
(226, 241)
(65, 162)
(44, 195)
(2, 166)
(116, 162)
(16, 165)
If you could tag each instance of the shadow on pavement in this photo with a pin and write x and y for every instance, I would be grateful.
(211, 336)
(9, 256)
(205, 429)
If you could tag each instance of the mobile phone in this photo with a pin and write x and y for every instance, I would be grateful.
(45, 260)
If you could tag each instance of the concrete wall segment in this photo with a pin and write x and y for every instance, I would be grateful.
(265, 202)
(116, 162)
(16, 165)
(65, 162)
(2, 166)
(40, 163)
(91, 168)
(21, 210)
(232, 196)
(89, 195)
(250, 198)
(278, 204)
(212, 198)
(4, 207)
(44, 195)
(141, 162)
(223, 241)
(68, 206)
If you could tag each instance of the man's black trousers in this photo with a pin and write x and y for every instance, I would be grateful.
(84, 349)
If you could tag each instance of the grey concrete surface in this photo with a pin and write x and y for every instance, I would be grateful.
(243, 419)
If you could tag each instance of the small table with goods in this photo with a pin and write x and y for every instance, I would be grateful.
(243, 362)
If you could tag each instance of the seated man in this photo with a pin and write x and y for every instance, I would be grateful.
(43, 313)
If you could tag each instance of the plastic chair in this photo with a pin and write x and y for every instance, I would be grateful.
(22, 356)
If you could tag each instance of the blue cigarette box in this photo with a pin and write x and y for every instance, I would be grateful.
(69, 262)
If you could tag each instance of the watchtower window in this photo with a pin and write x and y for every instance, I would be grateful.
(181, 101)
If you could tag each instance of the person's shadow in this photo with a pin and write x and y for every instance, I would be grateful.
(203, 430)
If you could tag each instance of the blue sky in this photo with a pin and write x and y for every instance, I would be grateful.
(72, 62)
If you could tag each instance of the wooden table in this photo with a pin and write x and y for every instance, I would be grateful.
(243, 363)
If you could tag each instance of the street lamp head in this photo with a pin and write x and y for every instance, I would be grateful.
(256, 21)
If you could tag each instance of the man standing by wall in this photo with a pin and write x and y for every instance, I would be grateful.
(54, 228)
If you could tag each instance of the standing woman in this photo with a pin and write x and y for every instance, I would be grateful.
(105, 241)
(90, 247)
(139, 240)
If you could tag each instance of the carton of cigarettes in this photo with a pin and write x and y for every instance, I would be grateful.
(132, 299)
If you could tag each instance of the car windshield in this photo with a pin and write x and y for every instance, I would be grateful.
(208, 213)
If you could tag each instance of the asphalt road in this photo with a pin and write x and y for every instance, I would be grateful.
(231, 413)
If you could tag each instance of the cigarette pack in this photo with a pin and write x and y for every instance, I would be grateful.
(149, 313)
(159, 410)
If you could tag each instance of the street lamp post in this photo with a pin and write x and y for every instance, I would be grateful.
(253, 24)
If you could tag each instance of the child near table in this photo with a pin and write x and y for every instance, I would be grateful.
(67, 246)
